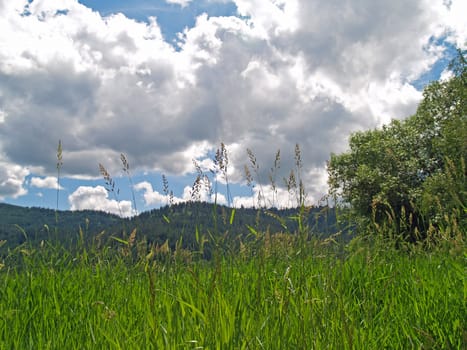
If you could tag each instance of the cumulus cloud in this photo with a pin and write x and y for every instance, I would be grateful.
(285, 193)
(96, 198)
(46, 182)
(152, 197)
(12, 178)
(157, 199)
(285, 72)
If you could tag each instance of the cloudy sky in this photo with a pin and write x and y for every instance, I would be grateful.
(165, 82)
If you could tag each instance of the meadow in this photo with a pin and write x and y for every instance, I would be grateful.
(263, 290)
(274, 292)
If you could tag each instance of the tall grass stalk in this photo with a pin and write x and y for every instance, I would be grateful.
(254, 165)
(110, 186)
(126, 170)
(59, 167)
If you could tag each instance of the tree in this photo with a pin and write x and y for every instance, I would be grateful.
(410, 173)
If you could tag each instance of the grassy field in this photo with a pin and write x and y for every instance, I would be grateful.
(274, 293)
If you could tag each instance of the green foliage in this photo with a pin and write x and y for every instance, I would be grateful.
(411, 173)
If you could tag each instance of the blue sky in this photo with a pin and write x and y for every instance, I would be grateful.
(172, 17)
(105, 79)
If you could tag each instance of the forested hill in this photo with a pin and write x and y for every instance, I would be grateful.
(18, 224)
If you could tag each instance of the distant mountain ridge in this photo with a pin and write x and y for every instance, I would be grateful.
(169, 223)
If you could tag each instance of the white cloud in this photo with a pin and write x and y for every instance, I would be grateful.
(266, 196)
(271, 16)
(452, 21)
(298, 71)
(152, 197)
(157, 199)
(281, 197)
(96, 198)
(46, 182)
(12, 178)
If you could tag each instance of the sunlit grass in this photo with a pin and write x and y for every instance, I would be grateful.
(311, 296)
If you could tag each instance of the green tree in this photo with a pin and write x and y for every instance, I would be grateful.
(411, 173)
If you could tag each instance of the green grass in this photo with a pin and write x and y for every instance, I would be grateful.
(271, 295)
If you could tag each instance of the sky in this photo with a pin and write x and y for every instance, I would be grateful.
(166, 82)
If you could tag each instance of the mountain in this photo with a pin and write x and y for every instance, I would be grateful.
(174, 223)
